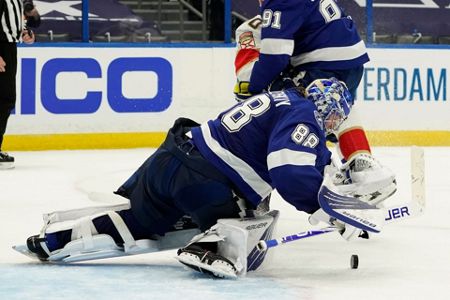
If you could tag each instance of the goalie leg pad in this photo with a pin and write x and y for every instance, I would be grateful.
(236, 241)
(86, 244)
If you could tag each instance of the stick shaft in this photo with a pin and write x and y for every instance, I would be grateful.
(263, 245)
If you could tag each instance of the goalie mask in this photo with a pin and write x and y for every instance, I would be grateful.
(332, 99)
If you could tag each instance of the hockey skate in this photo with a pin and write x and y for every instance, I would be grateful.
(199, 258)
(6, 161)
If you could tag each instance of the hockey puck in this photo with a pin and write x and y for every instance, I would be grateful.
(354, 261)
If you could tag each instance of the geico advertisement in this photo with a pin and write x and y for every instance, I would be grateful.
(71, 90)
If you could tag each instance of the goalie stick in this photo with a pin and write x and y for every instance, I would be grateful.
(264, 245)
(413, 208)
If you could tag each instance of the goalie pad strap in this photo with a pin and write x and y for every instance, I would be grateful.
(84, 229)
(123, 230)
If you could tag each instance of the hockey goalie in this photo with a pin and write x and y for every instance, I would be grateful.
(198, 192)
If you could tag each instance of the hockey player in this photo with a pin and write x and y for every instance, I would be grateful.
(212, 173)
(308, 40)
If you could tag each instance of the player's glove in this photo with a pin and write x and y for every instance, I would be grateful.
(241, 91)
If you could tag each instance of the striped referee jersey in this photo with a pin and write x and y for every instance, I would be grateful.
(11, 20)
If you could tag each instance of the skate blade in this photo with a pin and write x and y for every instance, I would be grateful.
(201, 267)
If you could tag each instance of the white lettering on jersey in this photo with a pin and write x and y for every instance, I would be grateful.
(330, 10)
(271, 18)
(242, 114)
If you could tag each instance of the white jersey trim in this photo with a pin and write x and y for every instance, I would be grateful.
(330, 54)
(277, 46)
(290, 157)
(259, 186)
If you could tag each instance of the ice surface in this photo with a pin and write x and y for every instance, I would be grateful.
(408, 260)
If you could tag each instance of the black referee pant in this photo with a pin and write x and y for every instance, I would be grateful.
(8, 51)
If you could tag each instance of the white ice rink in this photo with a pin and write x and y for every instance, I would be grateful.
(408, 260)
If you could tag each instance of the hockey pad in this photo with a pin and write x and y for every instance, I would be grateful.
(242, 238)
(87, 244)
(103, 246)
(237, 241)
(348, 209)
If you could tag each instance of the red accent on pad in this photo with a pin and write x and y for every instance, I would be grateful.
(245, 56)
(352, 141)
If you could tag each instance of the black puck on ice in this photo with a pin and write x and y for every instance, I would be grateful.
(354, 261)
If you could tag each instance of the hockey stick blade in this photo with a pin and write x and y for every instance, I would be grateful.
(416, 206)
(349, 209)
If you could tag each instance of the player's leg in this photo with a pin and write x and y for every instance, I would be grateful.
(8, 51)
(377, 182)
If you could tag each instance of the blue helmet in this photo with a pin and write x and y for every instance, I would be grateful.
(332, 99)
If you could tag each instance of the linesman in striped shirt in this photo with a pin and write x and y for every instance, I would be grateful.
(16, 16)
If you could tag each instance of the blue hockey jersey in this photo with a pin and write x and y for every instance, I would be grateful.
(308, 34)
(270, 141)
